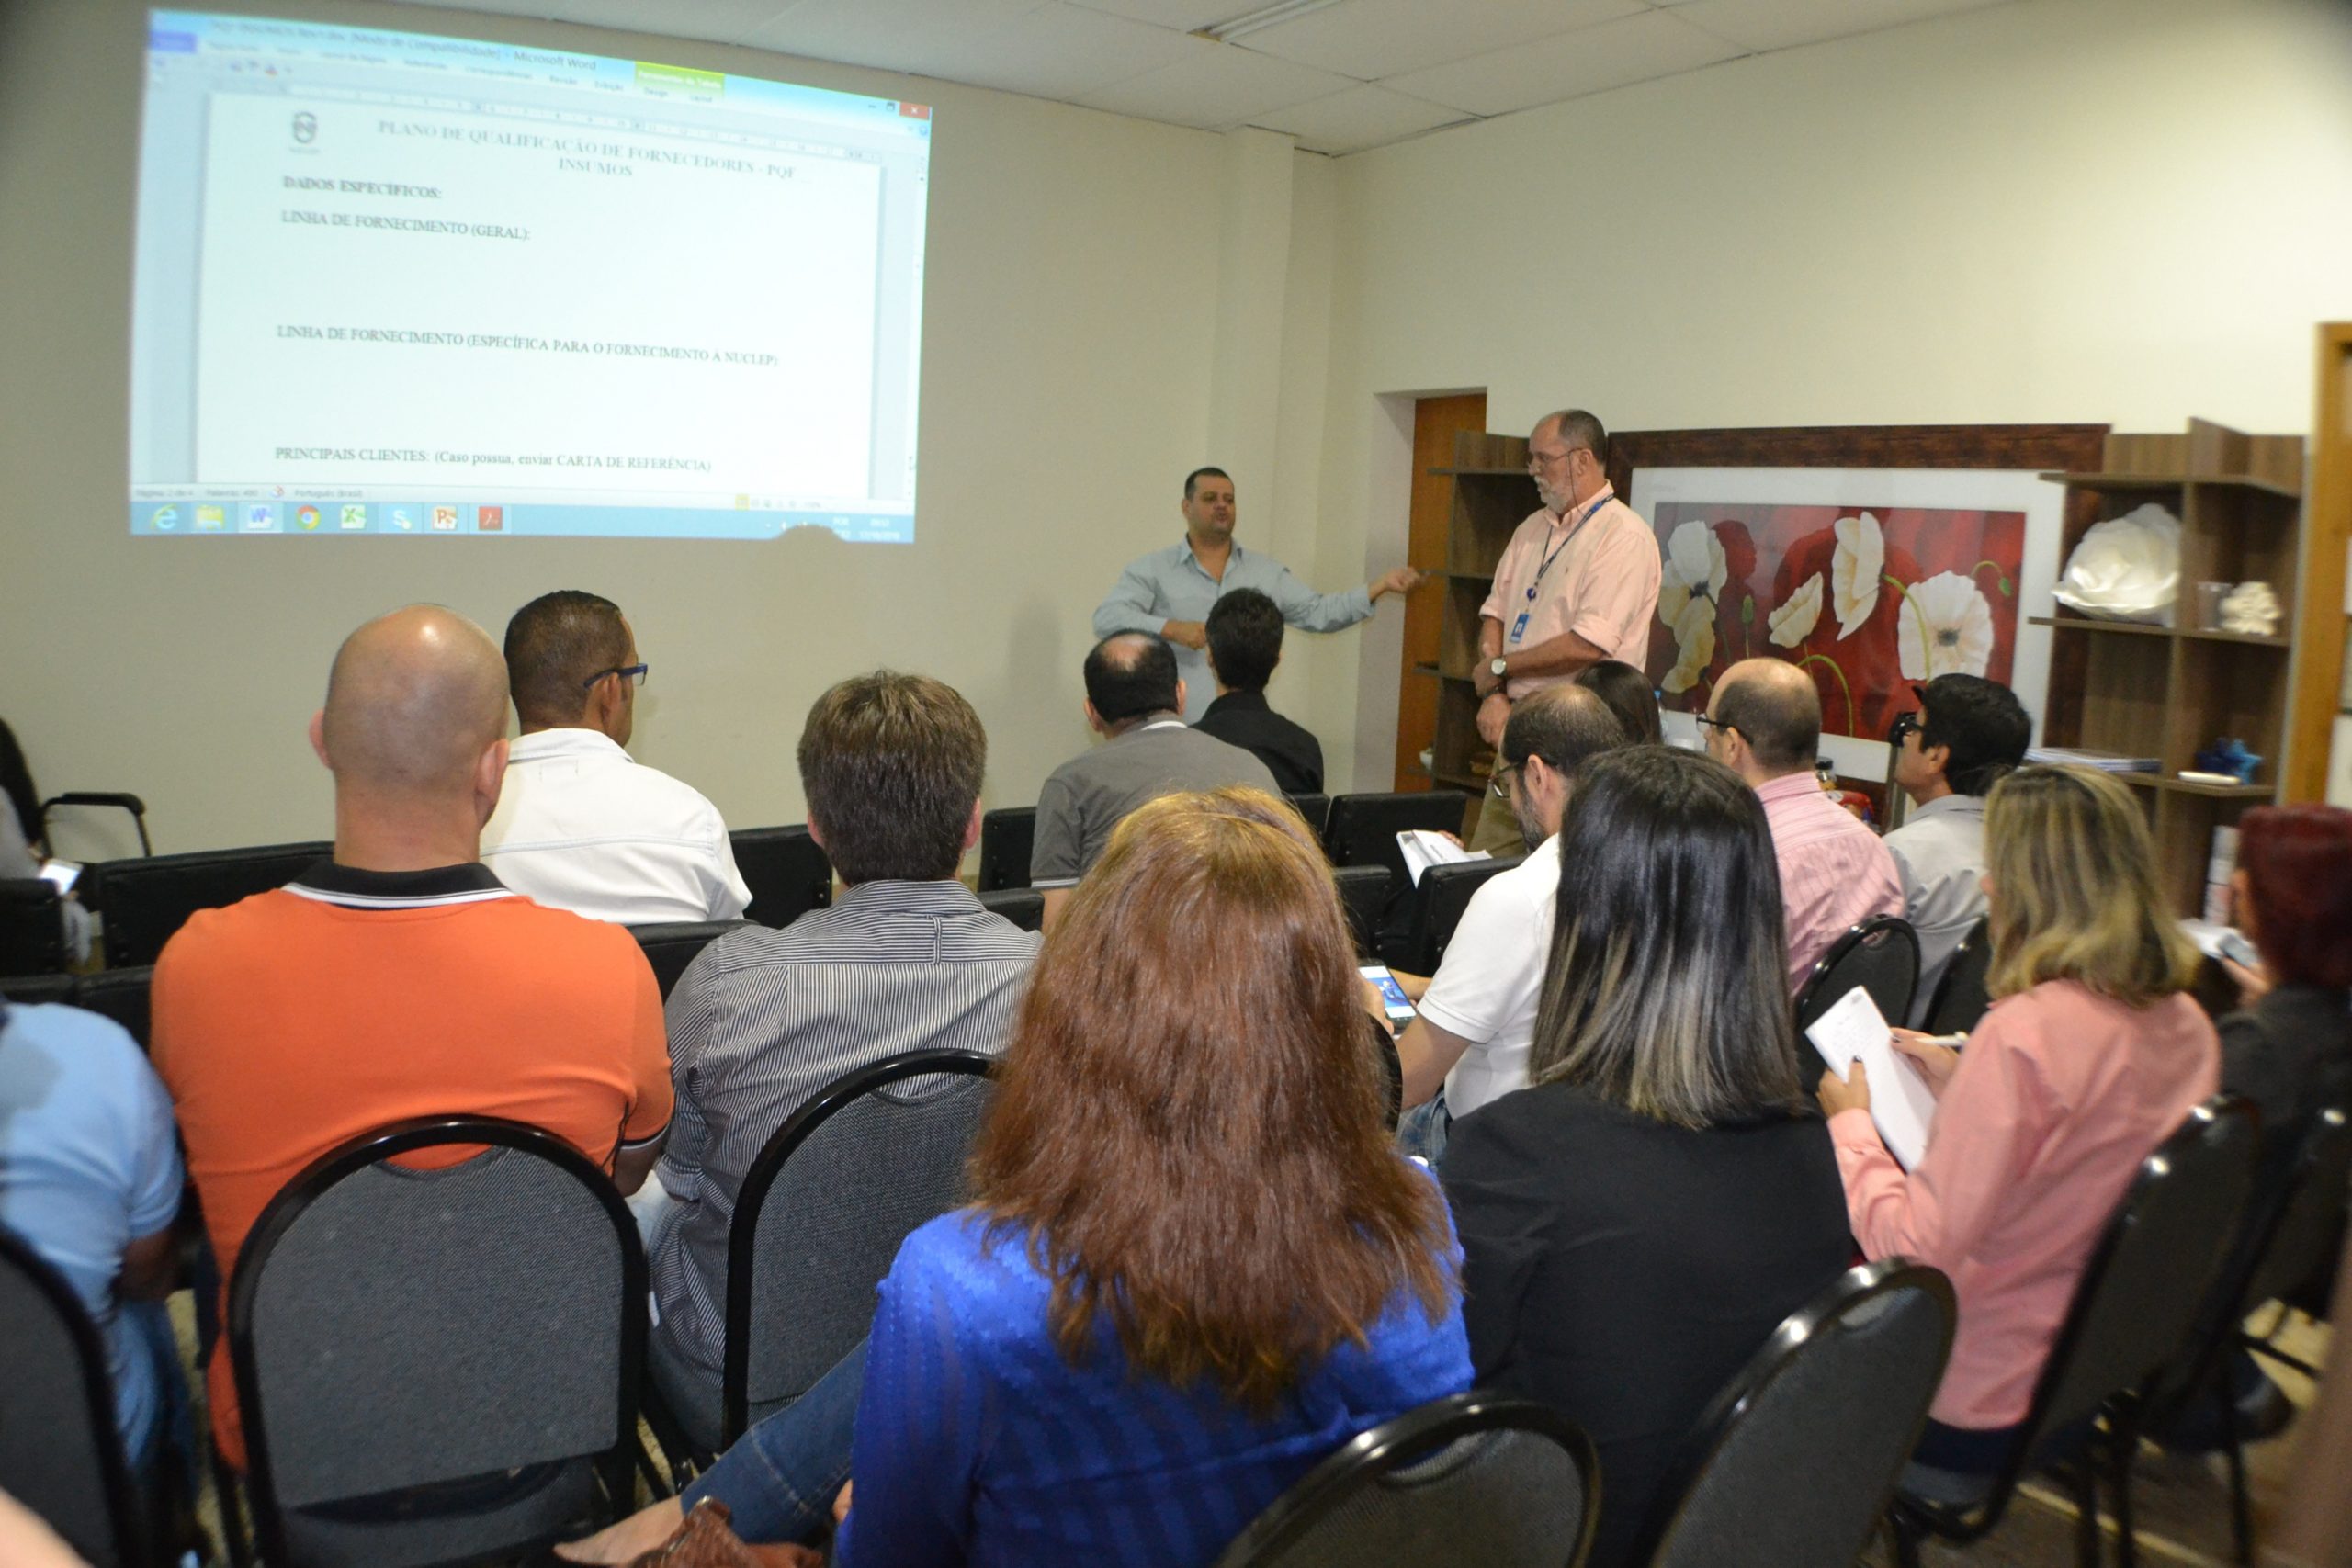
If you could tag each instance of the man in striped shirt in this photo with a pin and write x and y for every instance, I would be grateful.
(905, 960)
(1763, 721)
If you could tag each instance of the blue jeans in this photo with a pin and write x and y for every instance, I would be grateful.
(1423, 1130)
(779, 1478)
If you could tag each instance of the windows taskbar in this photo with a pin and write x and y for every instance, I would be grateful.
(529, 520)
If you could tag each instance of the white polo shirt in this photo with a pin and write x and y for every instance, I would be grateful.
(583, 826)
(1487, 987)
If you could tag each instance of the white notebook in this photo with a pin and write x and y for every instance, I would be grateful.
(1423, 849)
(1854, 1029)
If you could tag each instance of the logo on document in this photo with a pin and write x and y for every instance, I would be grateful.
(261, 517)
(306, 128)
(444, 518)
(210, 519)
(490, 519)
(165, 519)
(306, 517)
(355, 516)
(403, 520)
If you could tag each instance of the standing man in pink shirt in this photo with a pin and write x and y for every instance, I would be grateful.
(1577, 584)
(1763, 721)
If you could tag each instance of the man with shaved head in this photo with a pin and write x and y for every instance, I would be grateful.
(1763, 721)
(399, 978)
(1134, 700)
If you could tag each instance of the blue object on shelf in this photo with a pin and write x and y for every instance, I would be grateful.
(2229, 755)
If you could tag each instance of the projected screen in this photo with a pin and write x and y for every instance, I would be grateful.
(391, 284)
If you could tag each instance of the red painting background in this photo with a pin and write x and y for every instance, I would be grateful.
(1770, 550)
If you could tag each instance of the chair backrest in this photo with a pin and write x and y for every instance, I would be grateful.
(60, 1453)
(670, 945)
(146, 900)
(1500, 1483)
(120, 995)
(34, 989)
(1363, 896)
(1960, 997)
(2146, 1281)
(1315, 808)
(1363, 829)
(1438, 899)
(788, 874)
(1881, 956)
(32, 927)
(1795, 1461)
(394, 1328)
(1024, 907)
(822, 1209)
(1007, 835)
(2308, 1224)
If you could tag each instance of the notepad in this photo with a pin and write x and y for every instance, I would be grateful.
(1854, 1029)
(1423, 849)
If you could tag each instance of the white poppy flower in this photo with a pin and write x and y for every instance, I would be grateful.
(1855, 570)
(1798, 614)
(1694, 641)
(1945, 628)
(1694, 565)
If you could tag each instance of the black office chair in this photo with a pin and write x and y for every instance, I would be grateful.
(144, 901)
(1315, 808)
(467, 1337)
(670, 945)
(33, 812)
(788, 874)
(1881, 956)
(120, 995)
(1024, 907)
(865, 1161)
(35, 990)
(1795, 1461)
(32, 927)
(60, 1455)
(1443, 893)
(1363, 897)
(1361, 828)
(2131, 1314)
(1473, 1479)
(1960, 999)
(1007, 835)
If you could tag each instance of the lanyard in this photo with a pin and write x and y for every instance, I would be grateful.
(1574, 529)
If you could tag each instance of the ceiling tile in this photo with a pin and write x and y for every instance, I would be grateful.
(1182, 16)
(1784, 24)
(1357, 118)
(1372, 39)
(1064, 51)
(1226, 86)
(923, 36)
(1591, 60)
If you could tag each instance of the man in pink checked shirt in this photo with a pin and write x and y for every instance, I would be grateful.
(1577, 584)
(1763, 721)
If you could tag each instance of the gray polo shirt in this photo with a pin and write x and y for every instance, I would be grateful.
(1087, 796)
(1940, 855)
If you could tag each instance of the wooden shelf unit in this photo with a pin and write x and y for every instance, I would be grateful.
(2167, 692)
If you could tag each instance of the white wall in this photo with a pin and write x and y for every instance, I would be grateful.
(2121, 211)
(1073, 296)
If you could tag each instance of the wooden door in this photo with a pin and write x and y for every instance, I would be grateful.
(2323, 684)
(1435, 422)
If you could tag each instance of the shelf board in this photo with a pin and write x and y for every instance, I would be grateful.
(2120, 481)
(2251, 639)
(2168, 785)
(1519, 473)
(1468, 576)
(2085, 624)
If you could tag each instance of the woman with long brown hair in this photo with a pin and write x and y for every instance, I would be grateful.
(1194, 1265)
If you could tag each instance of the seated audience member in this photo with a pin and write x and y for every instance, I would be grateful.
(1763, 721)
(1468, 1043)
(2288, 1047)
(1133, 700)
(2091, 1057)
(19, 863)
(1195, 1266)
(90, 1180)
(1968, 732)
(581, 824)
(400, 978)
(1629, 696)
(906, 960)
(1636, 1224)
(1245, 633)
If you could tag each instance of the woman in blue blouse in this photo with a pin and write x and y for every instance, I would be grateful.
(1195, 1267)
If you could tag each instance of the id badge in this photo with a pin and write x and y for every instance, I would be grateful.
(1519, 628)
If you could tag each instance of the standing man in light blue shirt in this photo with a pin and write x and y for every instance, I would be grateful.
(1168, 592)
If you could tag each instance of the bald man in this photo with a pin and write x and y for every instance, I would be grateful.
(1763, 721)
(399, 978)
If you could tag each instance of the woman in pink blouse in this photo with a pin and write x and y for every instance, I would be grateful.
(2091, 1057)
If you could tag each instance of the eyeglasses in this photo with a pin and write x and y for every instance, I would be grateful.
(1716, 724)
(1500, 779)
(1539, 461)
(1904, 726)
(633, 673)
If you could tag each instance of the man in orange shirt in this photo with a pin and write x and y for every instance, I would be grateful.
(399, 979)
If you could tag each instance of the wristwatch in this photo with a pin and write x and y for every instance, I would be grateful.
(1495, 667)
